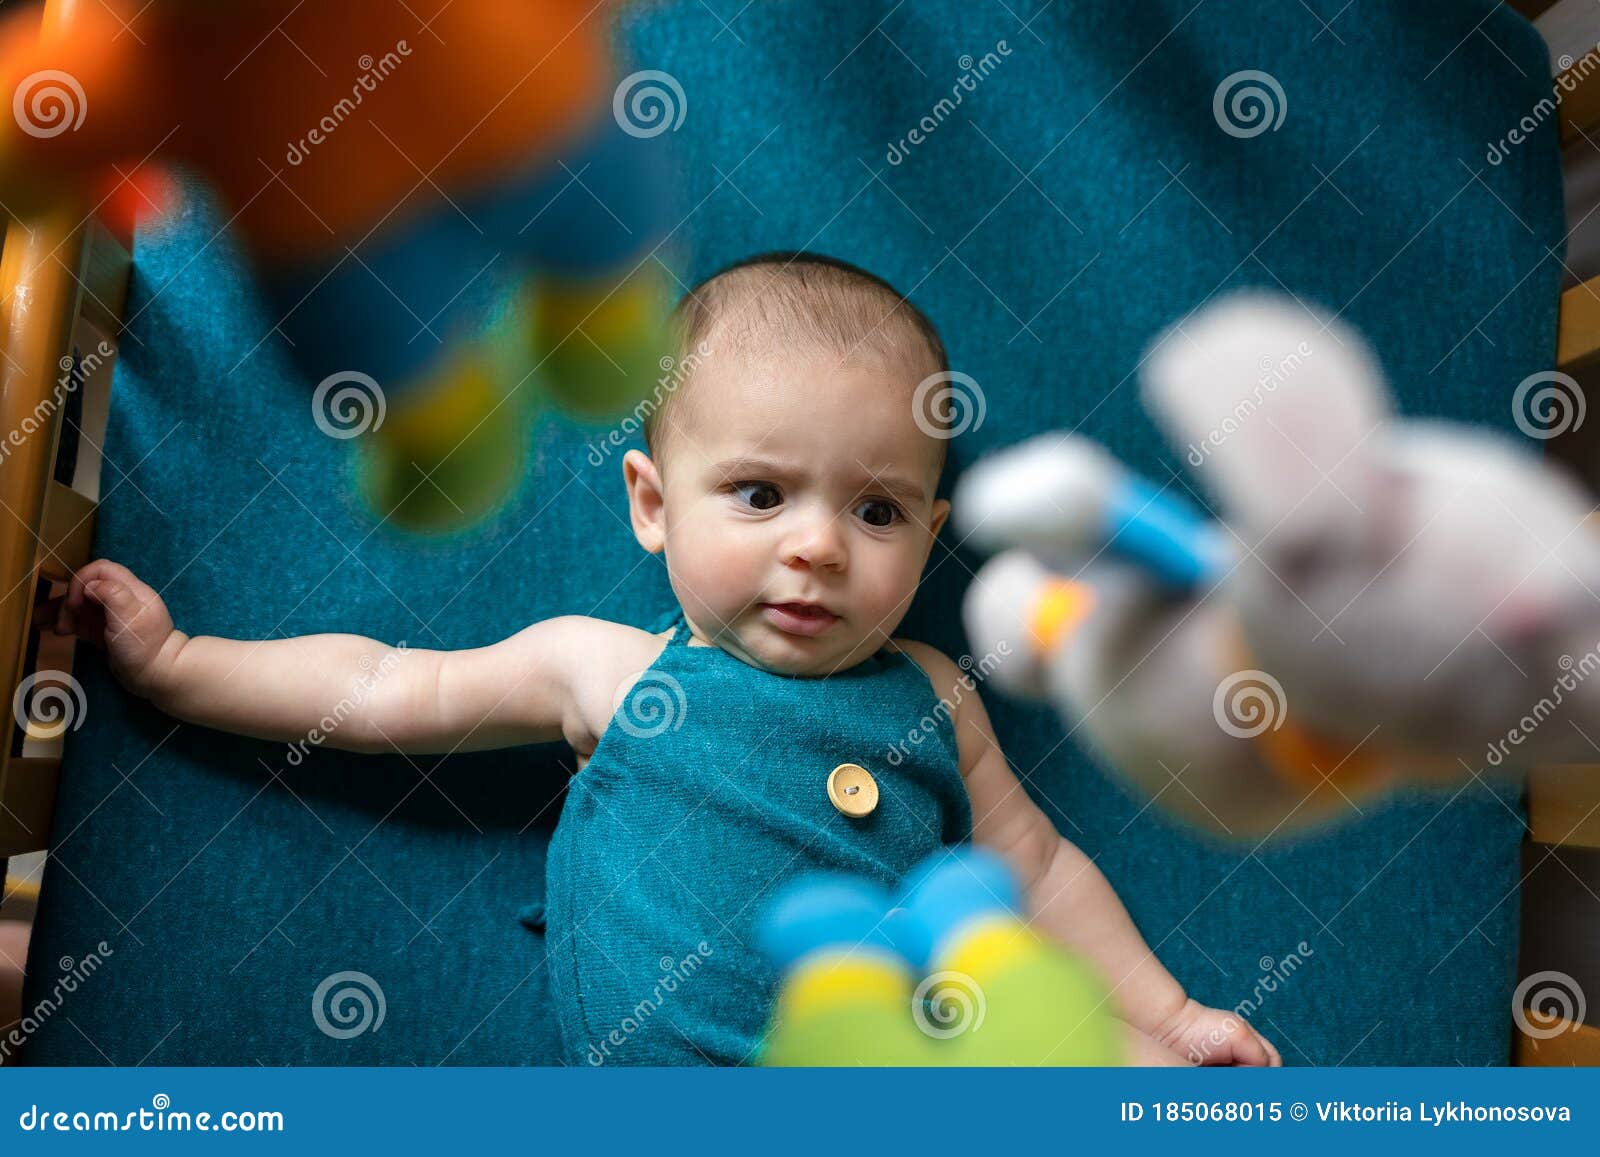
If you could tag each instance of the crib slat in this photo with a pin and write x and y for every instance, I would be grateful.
(66, 533)
(30, 800)
(1564, 806)
(1578, 332)
(1579, 90)
(1532, 8)
(1571, 1045)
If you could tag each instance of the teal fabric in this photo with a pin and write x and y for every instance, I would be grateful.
(707, 792)
(1078, 200)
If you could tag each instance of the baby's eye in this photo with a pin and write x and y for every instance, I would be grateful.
(878, 512)
(758, 495)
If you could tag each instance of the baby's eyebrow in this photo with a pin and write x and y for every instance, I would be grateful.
(902, 488)
(744, 465)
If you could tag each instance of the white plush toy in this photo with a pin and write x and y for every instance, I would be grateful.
(1384, 601)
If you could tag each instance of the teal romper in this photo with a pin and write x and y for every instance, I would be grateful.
(707, 792)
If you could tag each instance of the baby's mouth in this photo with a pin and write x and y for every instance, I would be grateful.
(799, 618)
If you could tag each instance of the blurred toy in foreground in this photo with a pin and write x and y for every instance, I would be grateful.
(950, 976)
(1388, 601)
(383, 164)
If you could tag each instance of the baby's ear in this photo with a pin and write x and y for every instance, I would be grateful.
(1270, 404)
(646, 505)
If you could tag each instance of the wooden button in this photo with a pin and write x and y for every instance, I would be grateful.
(853, 790)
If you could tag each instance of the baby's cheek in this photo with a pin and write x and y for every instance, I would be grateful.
(715, 571)
(890, 586)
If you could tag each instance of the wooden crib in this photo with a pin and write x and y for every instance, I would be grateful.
(62, 290)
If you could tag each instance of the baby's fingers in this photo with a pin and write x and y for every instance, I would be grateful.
(1274, 1058)
(102, 575)
(1251, 1048)
(124, 610)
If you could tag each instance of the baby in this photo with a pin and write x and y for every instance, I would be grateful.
(746, 738)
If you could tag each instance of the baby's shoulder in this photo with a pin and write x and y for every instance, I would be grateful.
(603, 648)
(603, 658)
(940, 669)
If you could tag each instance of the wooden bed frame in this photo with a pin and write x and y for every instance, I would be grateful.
(63, 285)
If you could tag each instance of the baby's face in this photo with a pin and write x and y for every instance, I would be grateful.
(796, 508)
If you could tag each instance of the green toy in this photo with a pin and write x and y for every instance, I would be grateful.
(948, 976)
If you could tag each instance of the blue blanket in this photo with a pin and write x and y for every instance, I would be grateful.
(1053, 182)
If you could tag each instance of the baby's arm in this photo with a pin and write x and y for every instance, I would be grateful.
(1070, 899)
(382, 698)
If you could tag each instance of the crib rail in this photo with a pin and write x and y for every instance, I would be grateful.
(62, 287)
(1560, 894)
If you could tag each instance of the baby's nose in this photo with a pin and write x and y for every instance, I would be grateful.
(820, 544)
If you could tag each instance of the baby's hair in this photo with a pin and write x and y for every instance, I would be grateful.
(797, 297)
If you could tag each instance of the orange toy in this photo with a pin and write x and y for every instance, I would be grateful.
(377, 159)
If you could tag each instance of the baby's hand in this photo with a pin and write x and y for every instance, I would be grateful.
(108, 605)
(1215, 1036)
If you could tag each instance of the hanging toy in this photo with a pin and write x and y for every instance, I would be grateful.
(1383, 601)
(388, 167)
